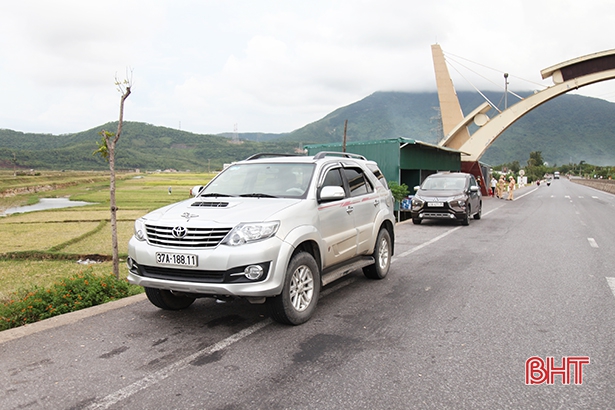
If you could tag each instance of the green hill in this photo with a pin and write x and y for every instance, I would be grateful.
(569, 128)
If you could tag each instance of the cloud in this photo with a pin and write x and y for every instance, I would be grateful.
(270, 66)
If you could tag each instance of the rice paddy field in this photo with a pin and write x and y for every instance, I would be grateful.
(38, 248)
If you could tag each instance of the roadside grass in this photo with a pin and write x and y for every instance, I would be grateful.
(39, 250)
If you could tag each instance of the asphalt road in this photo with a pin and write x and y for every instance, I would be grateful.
(452, 326)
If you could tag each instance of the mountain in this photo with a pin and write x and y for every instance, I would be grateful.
(569, 128)
(141, 145)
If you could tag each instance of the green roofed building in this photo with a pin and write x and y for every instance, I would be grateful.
(403, 160)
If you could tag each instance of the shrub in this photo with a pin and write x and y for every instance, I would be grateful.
(73, 293)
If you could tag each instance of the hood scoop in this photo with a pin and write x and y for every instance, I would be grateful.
(209, 204)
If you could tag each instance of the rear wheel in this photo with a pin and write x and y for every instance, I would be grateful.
(167, 300)
(297, 302)
(382, 256)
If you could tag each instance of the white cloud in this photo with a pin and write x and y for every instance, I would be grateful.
(267, 65)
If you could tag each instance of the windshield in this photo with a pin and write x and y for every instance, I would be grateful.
(262, 180)
(444, 184)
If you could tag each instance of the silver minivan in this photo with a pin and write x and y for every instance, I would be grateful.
(271, 229)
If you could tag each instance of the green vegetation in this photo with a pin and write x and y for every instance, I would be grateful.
(69, 294)
(39, 271)
(567, 129)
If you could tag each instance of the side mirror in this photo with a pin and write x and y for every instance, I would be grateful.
(416, 188)
(196, 190)
(473, 188)
(331, 193)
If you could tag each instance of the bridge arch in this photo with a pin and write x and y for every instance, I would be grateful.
(567, 76)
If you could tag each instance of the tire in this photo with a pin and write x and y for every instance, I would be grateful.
(416, 221)
(165, 299)
(297, 302)
(480, 210)
(466, 218)
(382, 256)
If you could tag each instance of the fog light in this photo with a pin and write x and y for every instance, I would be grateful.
(253, 272)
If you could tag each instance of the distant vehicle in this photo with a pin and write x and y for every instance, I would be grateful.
(447, 195)
(556, 175)
(271, 229)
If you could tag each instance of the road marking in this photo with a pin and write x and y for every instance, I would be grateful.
(567, 196)
(611, 282)
(421, 246)
(592, 242)
(581, 197)
(165, 372)
(437, 238)
(527, 193)
(595, 197)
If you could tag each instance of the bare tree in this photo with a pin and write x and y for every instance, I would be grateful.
(106, 148)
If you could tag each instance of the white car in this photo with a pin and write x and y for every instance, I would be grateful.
(271, 229)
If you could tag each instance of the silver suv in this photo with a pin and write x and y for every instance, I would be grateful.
(272, 229)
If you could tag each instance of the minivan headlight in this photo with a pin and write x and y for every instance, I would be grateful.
(251, 232)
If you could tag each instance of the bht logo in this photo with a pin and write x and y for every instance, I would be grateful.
(538, 371)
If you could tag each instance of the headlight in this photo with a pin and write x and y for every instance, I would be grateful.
(140, 229)
(457, 202)
(251, 232)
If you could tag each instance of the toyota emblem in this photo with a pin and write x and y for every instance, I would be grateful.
(179, 232)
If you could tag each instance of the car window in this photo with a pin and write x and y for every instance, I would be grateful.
(283, 180)
(444, 183)
(357, 182)
(379, 176)
(333, 178)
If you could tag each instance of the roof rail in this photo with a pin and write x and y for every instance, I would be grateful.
(269, 155)
(323, 154)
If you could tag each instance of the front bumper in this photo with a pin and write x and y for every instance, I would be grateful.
(218, 271)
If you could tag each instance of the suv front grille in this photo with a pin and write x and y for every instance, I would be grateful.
(196, 238)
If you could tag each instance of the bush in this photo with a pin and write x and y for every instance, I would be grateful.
(76, 292)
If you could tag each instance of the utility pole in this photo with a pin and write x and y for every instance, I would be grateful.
(505, 90)
(344, 142)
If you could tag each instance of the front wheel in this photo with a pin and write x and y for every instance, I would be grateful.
(297, 302)
(382, 255)
(416, 221)
(466, 218)
(478, 214)
(167, 300)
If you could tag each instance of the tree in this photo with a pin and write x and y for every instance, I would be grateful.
(398, 191)
(106, 149)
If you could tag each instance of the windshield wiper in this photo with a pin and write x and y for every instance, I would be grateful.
(257, 195)
(214, 194)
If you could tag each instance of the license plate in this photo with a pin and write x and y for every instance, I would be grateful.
(438, 204)
(177, 259)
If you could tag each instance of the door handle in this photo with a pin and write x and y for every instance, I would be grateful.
(376, 202)
(349, 210)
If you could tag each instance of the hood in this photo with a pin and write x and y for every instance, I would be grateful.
(223, 210)
(438, 195)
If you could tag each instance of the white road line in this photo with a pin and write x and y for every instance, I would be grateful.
(437, 238)
(567, 196)
(595, 197)
(421, 246)
(592, 242)
(527, 193)
(611, 282)
(581, 197)
(165, 372)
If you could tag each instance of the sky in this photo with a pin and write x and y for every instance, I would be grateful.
(214, 66)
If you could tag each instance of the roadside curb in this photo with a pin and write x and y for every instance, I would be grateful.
(67, 318)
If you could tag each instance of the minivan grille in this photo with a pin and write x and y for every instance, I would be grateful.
(196, 238)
